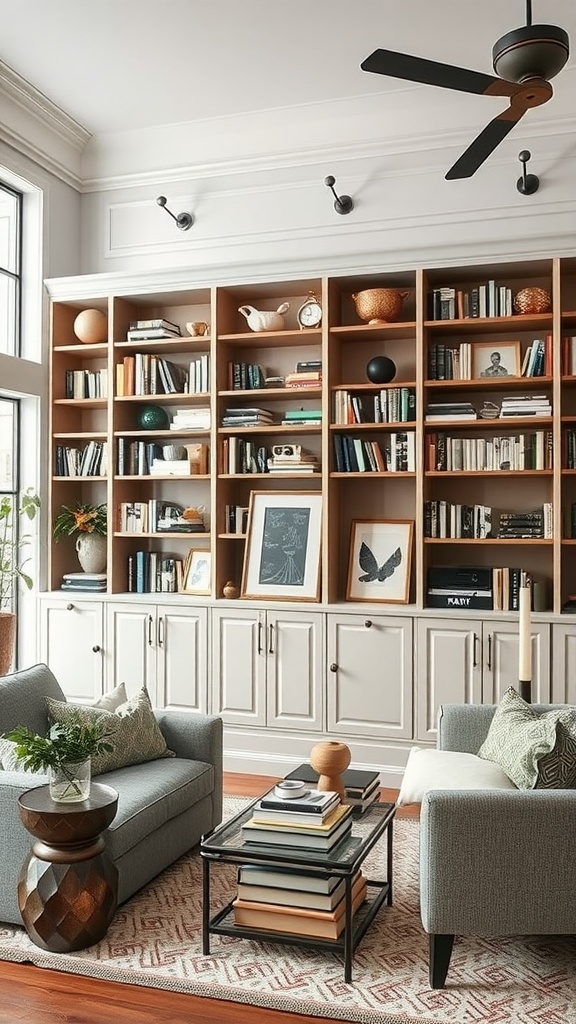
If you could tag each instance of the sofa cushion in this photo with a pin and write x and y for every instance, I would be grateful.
(151, 794)
(23, 698)
(447, 769)
(134, 731)
(537, 751)
(112, 700)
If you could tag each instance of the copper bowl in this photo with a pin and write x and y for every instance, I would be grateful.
(532, 300)
(379, 305)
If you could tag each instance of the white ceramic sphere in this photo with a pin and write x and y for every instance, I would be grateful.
(91, 326)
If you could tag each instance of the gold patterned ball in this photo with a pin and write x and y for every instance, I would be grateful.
(532, 300)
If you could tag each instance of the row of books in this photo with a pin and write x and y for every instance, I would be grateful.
(390, 405)
(156, 516)
(460, 362)
(91, 460)
(570, 448)
(360, 455)
(236, 518)
(490, 299)
(146, 458)
(146, 373)
(568, 355)
(494, 588)
(445, 453)
(444, 519)
(152, 572)
(86, 383)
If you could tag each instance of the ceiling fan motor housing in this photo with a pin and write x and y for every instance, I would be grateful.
(534, 51)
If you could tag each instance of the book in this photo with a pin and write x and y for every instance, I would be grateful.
(356, 780)
(136, 325)
(256, 874)
(313, 801)
(291, 897)
(300, 819)
(296, 920)
(305, 838)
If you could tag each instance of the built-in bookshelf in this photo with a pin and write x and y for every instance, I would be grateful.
(430, 444)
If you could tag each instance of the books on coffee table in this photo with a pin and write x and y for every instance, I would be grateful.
(275, 917)
(322, 836)
(362, 787)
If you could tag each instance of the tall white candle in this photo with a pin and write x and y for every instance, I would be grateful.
(525, 639)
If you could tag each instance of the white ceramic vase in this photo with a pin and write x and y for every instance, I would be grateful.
(91, 548)
(70, 782)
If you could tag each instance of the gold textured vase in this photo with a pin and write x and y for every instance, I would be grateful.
(330, 758)
(532, 300)
(379, 305)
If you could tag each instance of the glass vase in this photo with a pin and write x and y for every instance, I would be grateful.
(70, 782)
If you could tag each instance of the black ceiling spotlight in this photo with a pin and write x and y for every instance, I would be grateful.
(524, 60)
(183, 220)
(528, 184)
(342, 204)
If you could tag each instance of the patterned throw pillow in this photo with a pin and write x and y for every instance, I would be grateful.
(136, 735)
(536, 751)
(9, 760)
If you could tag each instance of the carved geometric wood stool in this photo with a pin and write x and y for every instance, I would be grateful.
(68, 886)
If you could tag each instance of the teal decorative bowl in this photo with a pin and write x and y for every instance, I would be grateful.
(153, 417)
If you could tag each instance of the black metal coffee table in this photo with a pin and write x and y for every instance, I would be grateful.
(225, 845)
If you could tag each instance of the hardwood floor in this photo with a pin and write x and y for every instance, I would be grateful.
(35, 996)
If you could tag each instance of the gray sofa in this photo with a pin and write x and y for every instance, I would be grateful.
(164, 806)
(493, 862)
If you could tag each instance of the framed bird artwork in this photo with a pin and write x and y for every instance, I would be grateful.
(380, 560)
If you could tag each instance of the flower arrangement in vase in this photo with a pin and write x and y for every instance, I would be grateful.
(88, 523)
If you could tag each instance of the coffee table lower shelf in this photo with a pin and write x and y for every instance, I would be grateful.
(222, 923)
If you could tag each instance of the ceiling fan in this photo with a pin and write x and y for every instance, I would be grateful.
(524, 61)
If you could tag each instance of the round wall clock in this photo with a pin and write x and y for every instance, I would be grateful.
(310, 313)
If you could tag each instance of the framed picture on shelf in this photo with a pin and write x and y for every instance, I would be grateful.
(197, 573)
(493, 359)
(282, 553)
(379, 560)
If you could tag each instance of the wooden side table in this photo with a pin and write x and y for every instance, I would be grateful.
(68, 886)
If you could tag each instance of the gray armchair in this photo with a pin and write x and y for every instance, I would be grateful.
(164, 806)
(493, 862)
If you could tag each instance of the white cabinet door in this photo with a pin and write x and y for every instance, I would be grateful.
(295, 670)
(500, 656)
(72, 645)
(369, 689)
(564, 663)
(239, 666)
(181, 641)
(448, 668)
(131, 652)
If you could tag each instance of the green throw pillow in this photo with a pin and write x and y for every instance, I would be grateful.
(136, 735)
(536, 751)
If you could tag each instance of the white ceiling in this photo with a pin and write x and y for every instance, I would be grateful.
(116, 65)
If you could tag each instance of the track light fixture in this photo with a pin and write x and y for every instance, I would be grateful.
(183, 220)
(342, 204)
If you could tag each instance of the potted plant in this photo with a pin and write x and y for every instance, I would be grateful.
(65, 753)
(88, 523)
(12, 567)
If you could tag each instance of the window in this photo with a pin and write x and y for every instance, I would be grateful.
(10, 270)
(9, 424)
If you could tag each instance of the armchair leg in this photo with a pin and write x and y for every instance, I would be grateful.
(440, 952)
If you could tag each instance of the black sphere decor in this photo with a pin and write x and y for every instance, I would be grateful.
(381, 370)
(153, 417)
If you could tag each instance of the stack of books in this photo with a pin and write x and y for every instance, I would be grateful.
(315, 821)
(279, 901)
(526, 405)
(90, 581)
(362, 787)
(146, 330)
(302, 418)
(450, 411)
(291, 458)
(306, 375)
(195, 418)
(239, 417)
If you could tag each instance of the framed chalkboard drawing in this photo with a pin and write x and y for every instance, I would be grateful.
(379, 560)
(282, 554)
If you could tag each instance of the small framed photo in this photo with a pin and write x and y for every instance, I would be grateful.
(197, 573)
(282, 554)
(379, 561)
(495, 359)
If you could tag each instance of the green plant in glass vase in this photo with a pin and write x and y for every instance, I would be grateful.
(62, 751)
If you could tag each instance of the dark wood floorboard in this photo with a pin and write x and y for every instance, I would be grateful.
(30, 995)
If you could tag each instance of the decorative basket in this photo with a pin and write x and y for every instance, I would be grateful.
(379, 305)
(532, 300)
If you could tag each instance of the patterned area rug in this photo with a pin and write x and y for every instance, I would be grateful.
(155, 940)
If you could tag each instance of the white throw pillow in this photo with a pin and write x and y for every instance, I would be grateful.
(447, 769)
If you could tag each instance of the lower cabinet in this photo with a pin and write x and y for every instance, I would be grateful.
(564, 663)
(469, 661)
(268, 668)
(370, 675)
(72, 645)
(162, 647)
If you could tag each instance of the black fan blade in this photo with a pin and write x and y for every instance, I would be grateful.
(431, 72)
(485, 143)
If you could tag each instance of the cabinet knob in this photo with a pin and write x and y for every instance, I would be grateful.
(368, 623)
(333, 667)
(69, 607)
(96, 648)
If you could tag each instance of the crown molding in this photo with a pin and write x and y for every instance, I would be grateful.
(39, 106)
